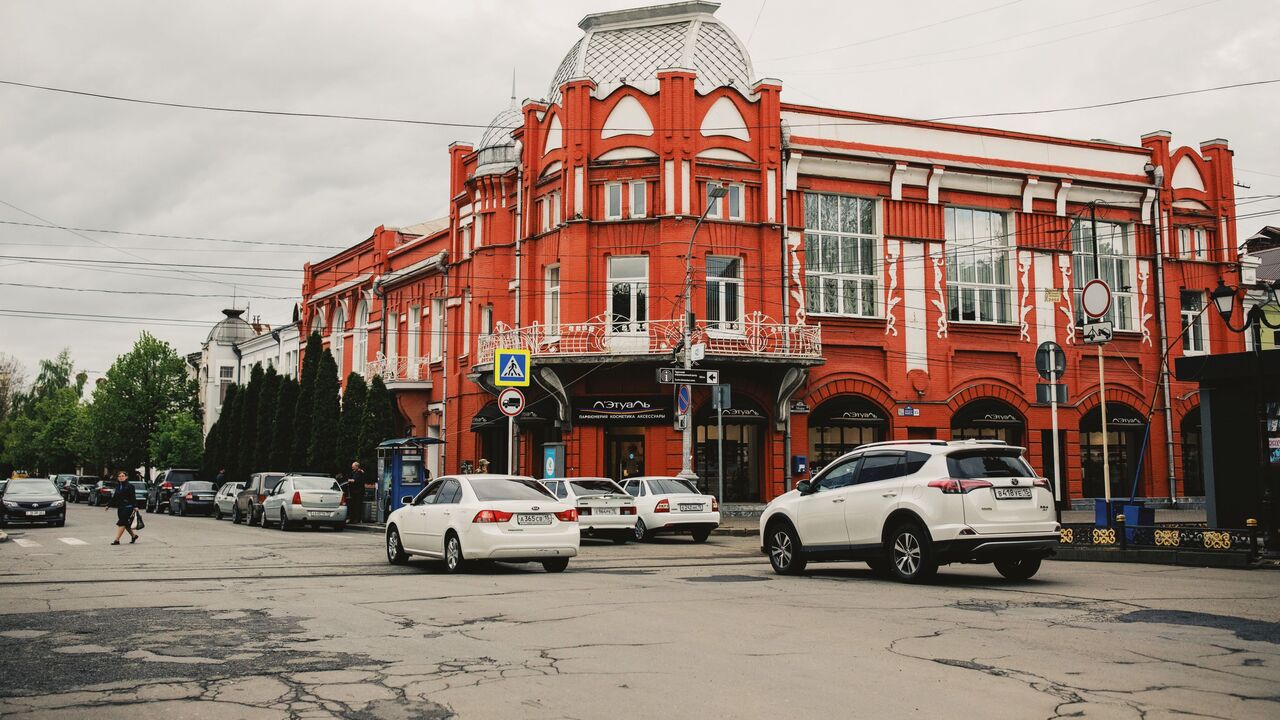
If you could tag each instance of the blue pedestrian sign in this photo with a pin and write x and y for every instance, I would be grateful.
(511, 368)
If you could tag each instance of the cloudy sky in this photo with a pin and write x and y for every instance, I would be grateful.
(269, 193)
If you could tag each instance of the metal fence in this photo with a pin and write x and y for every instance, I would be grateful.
(1161, 537)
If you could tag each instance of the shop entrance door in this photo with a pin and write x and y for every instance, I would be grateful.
(624, 452)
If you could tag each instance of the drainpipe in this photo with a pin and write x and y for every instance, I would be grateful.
(1158, 176)
(444, 371)
(786, 302)
(519, 223)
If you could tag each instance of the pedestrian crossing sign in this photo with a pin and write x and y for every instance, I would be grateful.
(511, 368)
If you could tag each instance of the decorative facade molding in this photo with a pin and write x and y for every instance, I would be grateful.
(893, 250)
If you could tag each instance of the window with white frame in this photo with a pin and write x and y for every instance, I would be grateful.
(841, 255)
(979, 283)
(639, 199)
(226, 378)
(628, 293)
(486, 320)
(414, 339)
(544, 212)
(554, 199)
(551, 298)
(437, 329)
(1195, 339)
(724, 293)
(339, 338)
(613, 201)
(728, 207)
(1193, 243)
(1116, 262)
(360, 352)
(464, 237)
(465, 346)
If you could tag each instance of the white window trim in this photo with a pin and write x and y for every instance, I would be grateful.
(551, 296)
(414, 336)
(1193, 243)
(643, 325)
(642, 187)
(977, 286)
(877, 254)
(544, 212)
(1130, 259)
(613, 213)
(466, 326)
(736, 328)
(741, 190)
(437, 330)
(1201, 326)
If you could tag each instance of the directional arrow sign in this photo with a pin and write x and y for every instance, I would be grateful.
(680, 376)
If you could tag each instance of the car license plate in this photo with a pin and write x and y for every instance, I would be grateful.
(530, 519)
(690, 507)
(1013, 493)
(318, 514)
(35, 512)
(604, 511)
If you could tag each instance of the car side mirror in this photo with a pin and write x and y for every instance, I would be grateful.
(406, 501)
(805, 487)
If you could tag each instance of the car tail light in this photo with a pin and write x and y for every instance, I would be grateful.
(190, 496)
(491, 516)
(952, 486)
(584, 511)
(662, 506)
(262, 499)
(166, 486)
(628, 510)
(1041, 483)
(570, 515)
(715, 504)
(342, 499)
(297, 498)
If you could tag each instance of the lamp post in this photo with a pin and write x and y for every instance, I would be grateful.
(714, 193)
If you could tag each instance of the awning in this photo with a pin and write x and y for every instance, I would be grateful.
(854, 410)
(490, 415)
(987, 412)
(1119, 417)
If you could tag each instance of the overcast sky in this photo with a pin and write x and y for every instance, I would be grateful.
(92, 163)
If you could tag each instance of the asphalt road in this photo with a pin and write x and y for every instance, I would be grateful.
(203, 619)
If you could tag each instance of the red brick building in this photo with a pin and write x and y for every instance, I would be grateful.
(864, 278)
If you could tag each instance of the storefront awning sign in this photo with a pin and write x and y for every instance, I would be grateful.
(622, 409)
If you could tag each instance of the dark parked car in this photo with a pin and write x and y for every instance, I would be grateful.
(192, 497)
(66, 485)
(32, 500)
(84, 487)
(162, 488)
(248, 507)
(101, 493)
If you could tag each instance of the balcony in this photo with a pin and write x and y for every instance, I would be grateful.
(757, 337)
(400, 373)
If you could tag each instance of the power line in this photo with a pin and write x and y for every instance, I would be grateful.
(145, 292)
(172, 237)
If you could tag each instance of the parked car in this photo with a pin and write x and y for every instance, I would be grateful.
(604, 508)
(67, 487)
(667, 505)
(248, 506)
(484, 517)
(907, 507)
(32, 500)
(162, 487)
(300, 499)
(101, 493)
(83, 490)
(191, 497)
(225, 499)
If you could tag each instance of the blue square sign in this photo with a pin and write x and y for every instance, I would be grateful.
(511, 368)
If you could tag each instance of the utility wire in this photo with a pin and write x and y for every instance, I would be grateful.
(173, 237)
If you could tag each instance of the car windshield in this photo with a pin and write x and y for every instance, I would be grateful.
(199, 486)
(271, 481)
(509, 489)
(594, 487)
(670, 486)
(315, 483)
(23, 488)
(987, 464)
(65, 478)
(177, 477)
(138, 485)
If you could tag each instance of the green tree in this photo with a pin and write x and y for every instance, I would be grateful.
(306, 401)
(231, 419)
(266, 434)
(177, 442)
(209, 466)
(283, 427)
(380, 424)
(247, 445)
(42, 431)
(354, 404)
(322, 455)
(143, 387)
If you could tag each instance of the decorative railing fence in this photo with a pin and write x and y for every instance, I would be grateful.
(1186, 538)
(399, 369)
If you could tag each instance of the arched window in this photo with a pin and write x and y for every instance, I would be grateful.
(337, 340)
(360, 353)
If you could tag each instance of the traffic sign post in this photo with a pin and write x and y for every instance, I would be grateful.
(511, 403)
(1051, 362)
(682, 376)
(1095, 298)
(721, 397)
(511, 368)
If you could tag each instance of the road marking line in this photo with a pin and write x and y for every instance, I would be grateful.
(73, 541)
(26, 543)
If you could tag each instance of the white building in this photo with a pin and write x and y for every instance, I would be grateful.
(229, 353)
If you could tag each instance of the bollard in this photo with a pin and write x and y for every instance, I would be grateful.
(1252, 524)
(1123, 536)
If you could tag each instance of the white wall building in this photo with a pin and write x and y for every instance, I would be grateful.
(229, 353)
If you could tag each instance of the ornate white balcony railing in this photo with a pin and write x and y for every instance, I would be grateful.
(399, 369)
(756, 335)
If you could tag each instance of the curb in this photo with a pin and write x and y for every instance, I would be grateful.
(729, 531)
(3, 536)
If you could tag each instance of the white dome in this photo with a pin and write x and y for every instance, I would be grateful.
(232, 329)
(630, 47)
(499, 130)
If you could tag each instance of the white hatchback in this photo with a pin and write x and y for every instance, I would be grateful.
(484, 517)
(672, 505)
(907, 507)
(604, 508)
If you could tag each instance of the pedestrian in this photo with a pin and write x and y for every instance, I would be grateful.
(123, 500)
(222, 477)
(355, 494)
(482, 466)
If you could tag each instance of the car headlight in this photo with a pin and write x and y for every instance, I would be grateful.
(58, 503)
(10, 504)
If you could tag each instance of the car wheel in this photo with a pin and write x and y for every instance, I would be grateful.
(395, 551)
(555, 565)
(700, 536)
(284, 521)
(453, 560)
(262, 519)
(235, 515)
(182, 509)
(217, 512)
(784, 550)
(1018, 568)
(910, 554)
(642, 531)
(339, 527)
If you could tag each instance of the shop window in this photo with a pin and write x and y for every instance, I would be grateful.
(1193, 243)
(841, 425)
(1123, 438)
(724, 293)
(1195, 337)
(1192, 458)
(988, 419)
(628, 293)
(841, 256)
(979, 283)
(1117, 263)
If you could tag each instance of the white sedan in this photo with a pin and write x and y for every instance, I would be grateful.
(305, 500)
(604, 508)
(484, 517)
(672, 505)
(225, 499)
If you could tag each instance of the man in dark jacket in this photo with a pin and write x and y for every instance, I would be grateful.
(355, 494)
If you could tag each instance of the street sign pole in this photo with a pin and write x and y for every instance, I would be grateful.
(1106, 461)
(722, 395)
(511, 446)
(1053, 414)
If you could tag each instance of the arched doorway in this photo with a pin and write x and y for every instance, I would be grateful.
(1123, 438)
(1192, 457)
(491, 426)
(989, 419)
(744, 427)
(842, 424)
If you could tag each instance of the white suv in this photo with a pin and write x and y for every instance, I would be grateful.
(907, 507)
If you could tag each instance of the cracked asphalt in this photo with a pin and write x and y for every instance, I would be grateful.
(203, 619)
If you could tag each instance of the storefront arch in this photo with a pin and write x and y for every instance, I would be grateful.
(843, 423)
(1123, 438)
(745, 431)
(989, 419)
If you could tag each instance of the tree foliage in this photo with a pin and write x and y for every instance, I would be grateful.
(177, 442)
(271, 382)
(306, 401)
(354, 405)
(247, 442)
(42, 427)
(322, 454)
(379, 423)
(283, 427)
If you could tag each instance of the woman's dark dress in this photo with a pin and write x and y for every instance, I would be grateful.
(123, 499)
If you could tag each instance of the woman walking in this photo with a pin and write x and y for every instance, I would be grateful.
(123, 500)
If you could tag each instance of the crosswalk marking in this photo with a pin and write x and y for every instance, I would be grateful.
(23, 542)
(73, 541)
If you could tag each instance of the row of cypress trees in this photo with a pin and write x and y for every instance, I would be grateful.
(276, 423)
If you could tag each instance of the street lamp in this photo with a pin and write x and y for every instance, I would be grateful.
(714, 193)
